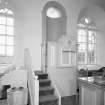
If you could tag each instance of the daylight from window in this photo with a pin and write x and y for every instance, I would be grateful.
(6, 32)
(53, 12)
(86, 43)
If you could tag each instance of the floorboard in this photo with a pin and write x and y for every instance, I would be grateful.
(3, 102)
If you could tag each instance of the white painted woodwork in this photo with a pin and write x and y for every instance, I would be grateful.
(33, 83)
(91, 94)
(57, 93)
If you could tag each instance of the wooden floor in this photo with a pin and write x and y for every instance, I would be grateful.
(65, 101)
(69, 100)
(3, 102)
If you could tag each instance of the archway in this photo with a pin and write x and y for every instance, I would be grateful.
(50, 23)
(54, 20)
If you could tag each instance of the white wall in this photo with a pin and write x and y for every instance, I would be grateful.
(28, 15)
(101, 48)
(29, 35)
(65, 79)
(28, 25)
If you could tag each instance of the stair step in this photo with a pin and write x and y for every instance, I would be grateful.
(48, 100)
(38, 72)
(41, 75)
(46, 91)
(44, 82)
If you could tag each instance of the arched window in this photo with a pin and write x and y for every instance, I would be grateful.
(6, 32)
(86, 41)
(53, 12)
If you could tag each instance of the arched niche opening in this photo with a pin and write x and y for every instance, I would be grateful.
(54, 21)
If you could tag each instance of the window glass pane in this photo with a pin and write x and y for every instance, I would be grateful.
(81, 57)
(82, 38)
(5, 10)
(2, 20)
(79, 38)
(91, 37)
(9, 50)
(91, 54)
(82, 46)
(81, 54)
(2, 50)
(10, 21)
(81, 25)
(1, 10)
(10, 30)
(2, 29)
(2, 40)
(10, 40)
(91, 60)
(10, 12)
(82, 32)
(90, 33)
(91, 47)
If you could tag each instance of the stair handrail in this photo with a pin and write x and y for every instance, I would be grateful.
(57, 93)
(32, 79)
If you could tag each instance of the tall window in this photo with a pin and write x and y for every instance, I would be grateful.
(6, 32)
(86, 41)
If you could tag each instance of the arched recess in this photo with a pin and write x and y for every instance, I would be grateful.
(96, 15)
(54, 21)
(53, 28)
